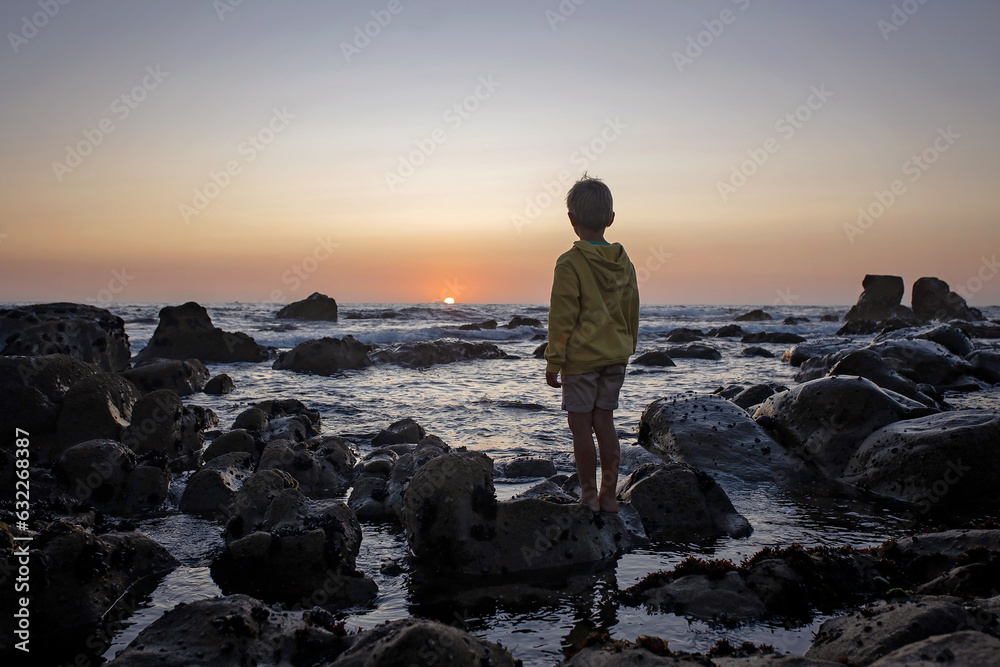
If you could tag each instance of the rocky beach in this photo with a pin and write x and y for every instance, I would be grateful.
(371, 484)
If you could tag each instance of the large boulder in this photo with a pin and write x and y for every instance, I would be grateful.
(162, 423)
(428, 353)
(235, 631)
(219, 385)
(87, 333)
(825, 421)
(325, 356)
(187, 332)
(77, 577)
(965, 647)
(182, 377)
(418, 641)
(925, 362)
(236, 441)
(98, 406)
(378, 494)
(863, 637)
(933, 300)
(314, 307)
(107, 475)
(725, 598)
(322, 466)
(51, 375)
(405, 430)
(454, 523)
(210, 491)
(881, 295)
(713, 435)
(678, 502)
(985, 365)
(756, 315)
(871, 366)
(951, 459)
(949, 336)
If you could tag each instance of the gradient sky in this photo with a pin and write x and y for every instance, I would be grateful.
(310, 208)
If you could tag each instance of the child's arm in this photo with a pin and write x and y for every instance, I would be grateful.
(633, 312)
(564, 309)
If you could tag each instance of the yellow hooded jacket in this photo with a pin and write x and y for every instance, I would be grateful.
(594, 310)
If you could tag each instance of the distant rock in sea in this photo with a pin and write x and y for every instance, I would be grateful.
(314, 307)
(187, 332)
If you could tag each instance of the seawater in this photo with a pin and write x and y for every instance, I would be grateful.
(503, 407)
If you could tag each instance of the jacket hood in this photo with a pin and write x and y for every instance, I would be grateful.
(609, 263)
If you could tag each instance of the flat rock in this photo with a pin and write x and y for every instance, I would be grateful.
(967, 647)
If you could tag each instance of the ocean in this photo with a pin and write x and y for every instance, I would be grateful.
(503, 407)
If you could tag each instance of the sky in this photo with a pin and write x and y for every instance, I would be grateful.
(404, 151)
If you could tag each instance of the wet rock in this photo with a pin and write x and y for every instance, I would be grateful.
(755, 395)
(234, 631)
(161, 423)
(522, 321)
(712, 434)
(429, 353)
(633, 456)
(966, 647)
(756, 351)
(870, 634)
(377, 498)
(539, 352)
(322, 466)
(678, 502)
(489, 325)
(98, 406)
(684, 335)
(925, 361)
(985, 365)
(829, 317)
(211, 490)
(432, 643)
(28, 409)
(289, 419)
(52, 375)
(87, 333)
(870, 365)
(694, 351)
(219, 385)
(783, 591)
(106, 474)
(237, 440)
(938, 461)
(316, 307)
(616, 656)
(182, 377)
(757, 315)
(825, 421)
(727, 331)
(729, 392)
(987, 330)
(859, 328)
(253, 500)
(821, 348)
(655, 358)
(325, 356)
(929, 556)
(726, 599)
(524, 466)
(77, 577)
(772, 337)
(791, 320)
(950, 337)
(933, 300)
(253, 420)
(403, 431)
(187, 332)
(300, 548)
(881, 295)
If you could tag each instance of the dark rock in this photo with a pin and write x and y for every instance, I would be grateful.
(934, 300)
(859, 328)
(52, 375)
(86, 333)
(829, 317)
(105, 474)
(880, 296)
(404, 641)
(279, 412)
(617, 656)
(965, 647)
(729, 392)
(925, 361)
(727, 331)
(237, 440)
(379, 499)
(522, 321)
(756, 351)
(187, 332)
(219, 385)
(428, 353)
(98, 406)
(985, 365)
(325, 356)
(402, 431)
(950, 337)
(869, 365)
(317, 307)
(866, 636)
(235, 631)
(253, 420)
(939, 461)
(824, 421)
(211, 490)
(678, 502)
(524, 466)
(791, 320)
(757, 315)
(161, 423)
(988, 330)
(539, 352)
(479, 326)
(754, 395)
(713, 435)
(30, 410)
(823, 347)
(655, 358)
(772, 337)
(684, 335)
(182, 377)
(726, 599)
(694, 351)
(322, 466)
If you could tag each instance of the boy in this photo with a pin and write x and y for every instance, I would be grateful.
(593, 329)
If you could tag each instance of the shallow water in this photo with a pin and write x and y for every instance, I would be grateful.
(503, 407)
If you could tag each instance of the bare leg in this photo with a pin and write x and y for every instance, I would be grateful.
(607, 441)
(581, 426)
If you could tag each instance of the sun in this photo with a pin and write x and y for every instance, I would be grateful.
(449, 300)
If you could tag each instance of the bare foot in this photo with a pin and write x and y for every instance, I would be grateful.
(608, 504)
(591, 501)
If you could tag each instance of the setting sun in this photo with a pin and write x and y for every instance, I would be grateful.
(449, 300)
